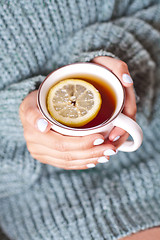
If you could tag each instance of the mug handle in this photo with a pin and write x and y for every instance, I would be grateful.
(133, 129)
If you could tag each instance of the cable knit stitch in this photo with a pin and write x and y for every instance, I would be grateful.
(39, 202)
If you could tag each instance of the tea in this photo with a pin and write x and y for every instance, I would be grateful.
(108, 100)
(57, 95)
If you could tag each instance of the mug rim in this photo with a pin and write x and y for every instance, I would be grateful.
(74, 128)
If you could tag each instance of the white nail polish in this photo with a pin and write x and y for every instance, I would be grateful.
(116, 138)
(98, 141)
(109, 152)
(42, 124)
(126, 78)
(90, 165)
(102, 160)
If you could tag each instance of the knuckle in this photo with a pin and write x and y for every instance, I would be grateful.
(122, 65)
(67, 156)
(85, 142)
(61, 146)
(93, 153)
(83, 145)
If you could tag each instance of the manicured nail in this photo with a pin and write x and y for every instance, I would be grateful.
(126, 78)
(102, 160)
(116, 138)
(42, 124)
(98, 141)
(91, 165)
(110, 152)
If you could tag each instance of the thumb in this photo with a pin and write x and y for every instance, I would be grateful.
(118, 67)
(30, 115)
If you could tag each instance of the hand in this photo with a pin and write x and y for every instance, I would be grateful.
(52, 148)
(120, 69)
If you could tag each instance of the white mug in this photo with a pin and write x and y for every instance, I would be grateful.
(78, 70)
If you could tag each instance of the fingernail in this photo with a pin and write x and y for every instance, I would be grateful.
(98, 141)
(126, 78)
(90, 165)
(42, 124)
(110, 152)
(102, 160)
(116, 138)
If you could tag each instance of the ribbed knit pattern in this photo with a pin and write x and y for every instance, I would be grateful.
(40, 202)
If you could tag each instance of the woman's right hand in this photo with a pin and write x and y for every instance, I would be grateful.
(55, 149)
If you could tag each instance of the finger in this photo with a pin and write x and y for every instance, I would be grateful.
(121, 140)
(67, 165)
(116, 134)
(95, 152)
(30, 114)
(130, 107)
(63, 143)
(129, 110)
(118, 67)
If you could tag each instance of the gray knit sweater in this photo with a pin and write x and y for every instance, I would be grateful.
(40, 202)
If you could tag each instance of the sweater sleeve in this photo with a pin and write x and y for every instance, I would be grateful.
(10, 100)
(18, 170)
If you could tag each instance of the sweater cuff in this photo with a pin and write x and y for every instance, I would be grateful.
(88, 56)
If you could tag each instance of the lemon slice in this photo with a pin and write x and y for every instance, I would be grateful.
(73, 102)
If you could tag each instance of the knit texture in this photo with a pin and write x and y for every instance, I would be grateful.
(40, 202)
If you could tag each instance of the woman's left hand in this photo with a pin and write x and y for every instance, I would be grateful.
(120, 69)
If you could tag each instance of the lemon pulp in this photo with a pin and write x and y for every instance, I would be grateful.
(73, 102)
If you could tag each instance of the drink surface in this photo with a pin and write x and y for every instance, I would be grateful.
(105, 108)
(108, 101)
